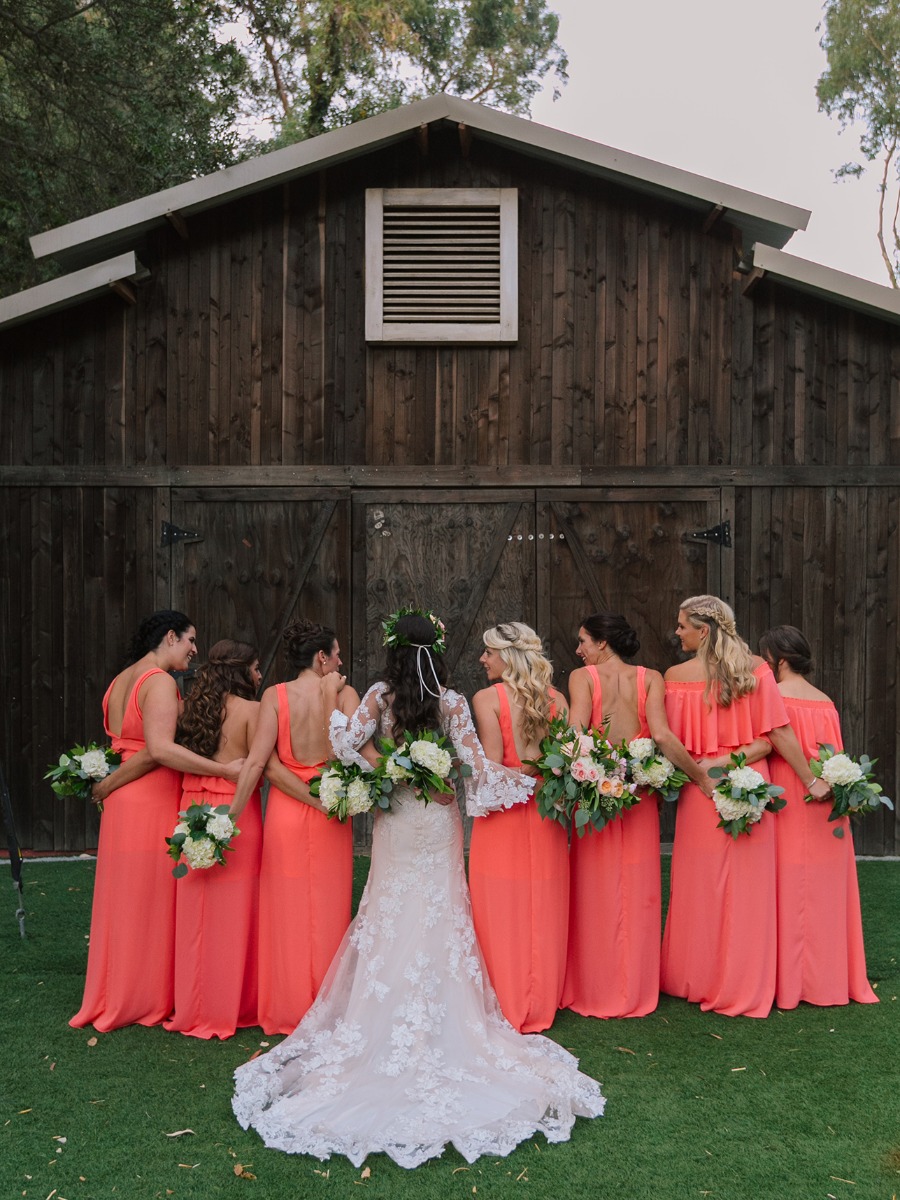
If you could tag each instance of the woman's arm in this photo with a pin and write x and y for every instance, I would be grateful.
(788, 746)
(486, 711)
(261, 748)
(581, 696)
(160, 705)
(286, 781)
(753, 751)
(669, 744)
(135, 767)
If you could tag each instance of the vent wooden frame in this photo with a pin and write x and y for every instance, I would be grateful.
(442, 265)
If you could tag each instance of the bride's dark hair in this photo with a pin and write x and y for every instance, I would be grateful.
(227, 672)
(413, 706)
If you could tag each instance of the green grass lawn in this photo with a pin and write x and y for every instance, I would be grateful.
(802, 1106)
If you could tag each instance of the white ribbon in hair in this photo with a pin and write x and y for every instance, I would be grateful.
(423, 686)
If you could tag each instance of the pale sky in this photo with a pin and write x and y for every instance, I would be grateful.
(726, 89)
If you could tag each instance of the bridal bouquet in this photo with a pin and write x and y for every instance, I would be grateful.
(743, 796)
(425, 761)
(348, 789)
(852, 784)
(201, 838)
(79, 768)
(653, 771)
(585, 778)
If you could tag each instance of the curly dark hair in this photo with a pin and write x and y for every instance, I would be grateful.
(226, 673)
(303, 640)
(413, 710)
(153, 629)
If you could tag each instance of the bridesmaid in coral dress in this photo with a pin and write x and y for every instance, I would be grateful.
(130, 970)
(615, 917)
(217, 910)
(719, 946)
(518, 863)
(821, 958)
(306, 874)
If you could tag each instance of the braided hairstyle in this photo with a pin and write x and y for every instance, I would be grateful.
(526, 671)
(226, 673)
(726, 657)
(304, 639)
(613, 629)
(414, 708)
(787, 642)
(153, 629)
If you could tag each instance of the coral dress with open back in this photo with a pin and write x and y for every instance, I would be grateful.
(719, 946)
(519, 882)
(306, 878)
(821, 959)
(615, 913)
(130, 969)
(216, 918)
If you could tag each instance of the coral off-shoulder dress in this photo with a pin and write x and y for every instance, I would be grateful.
(615, 914)
(719, 946)
(305, 885)
(130, 969)
(519, 883)
(216, 919)
(821, 959)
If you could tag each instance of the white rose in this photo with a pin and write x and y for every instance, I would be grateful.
(93, 763)
(395, 771)
(745, 778)
(432, 757)
(733, 810)
(200, 853)
(358, 798)
(841, 769)
(220, 827)
(641, 748)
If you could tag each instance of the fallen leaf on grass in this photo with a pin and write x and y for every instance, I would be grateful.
(179, 1133)
(366, 1173)
(733, 1069)
(92, 1041)
(717, 1036)
(837, 1179)
(324, 1174)
(624, 1050)
(25, 1110)
(189, 1166)
(522, 1175)
(458, 1169)
(53, 1066)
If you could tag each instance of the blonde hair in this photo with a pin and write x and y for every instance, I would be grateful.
(527, 672)
(726, 657)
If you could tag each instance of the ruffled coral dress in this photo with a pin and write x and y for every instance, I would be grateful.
(821, 959)
(719, 946)
(519, 881)
(130, 969)
(306, 879)
(405, 1049)
(615, 914)
(216, 919)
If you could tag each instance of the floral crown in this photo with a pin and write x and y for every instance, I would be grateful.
(394, 639)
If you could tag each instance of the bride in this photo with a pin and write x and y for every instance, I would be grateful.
(405, 1048)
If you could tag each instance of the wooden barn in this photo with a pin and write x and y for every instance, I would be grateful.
(450, 357)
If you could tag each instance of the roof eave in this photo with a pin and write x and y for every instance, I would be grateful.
(68, 290)
(861, 295)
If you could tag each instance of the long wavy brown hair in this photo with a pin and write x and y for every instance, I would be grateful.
(225, 673)
(412, 706)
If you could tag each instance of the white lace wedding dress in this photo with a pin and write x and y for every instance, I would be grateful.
(405, 1048)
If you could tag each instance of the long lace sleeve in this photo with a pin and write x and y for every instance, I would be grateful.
(490, 786)
(347, 734)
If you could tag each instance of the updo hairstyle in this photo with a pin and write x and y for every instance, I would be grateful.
(787, 642)
(303, 640)
(613, 629)
(153, 629)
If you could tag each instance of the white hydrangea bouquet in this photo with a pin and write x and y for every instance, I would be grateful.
(425, 761)
(200, 838)
(79, 768)
(852, 784)
(651, 770)
(585, 778)
(743, 796)
(347, 789)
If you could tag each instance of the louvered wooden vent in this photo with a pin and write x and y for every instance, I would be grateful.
(441, 264)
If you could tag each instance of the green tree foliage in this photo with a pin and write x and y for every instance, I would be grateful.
(322, 63)
(102, 101)
(862, 85)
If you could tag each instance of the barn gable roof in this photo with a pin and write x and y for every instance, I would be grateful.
(110, 232)
(74, 288)
(849, 291)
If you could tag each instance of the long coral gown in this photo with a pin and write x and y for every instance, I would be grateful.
(821, 958)
(719, 946)
(130, 969)
(306, 878)
(615, 914)
(216, 919)
(519, 881)
(405, 1048)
